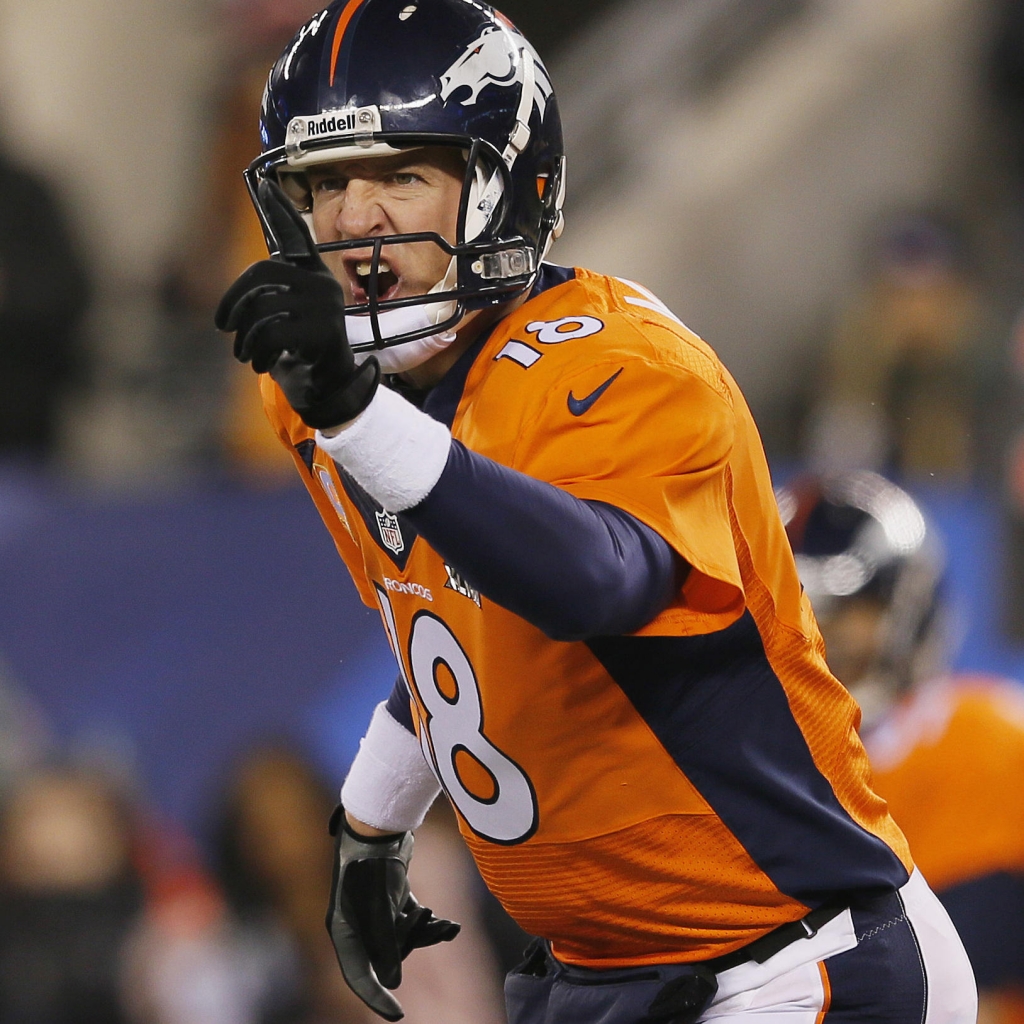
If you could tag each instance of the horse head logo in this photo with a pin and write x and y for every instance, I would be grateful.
(491, 60)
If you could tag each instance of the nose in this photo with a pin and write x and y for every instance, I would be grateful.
(361, 214)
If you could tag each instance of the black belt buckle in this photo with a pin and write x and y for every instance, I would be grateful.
(535, 960)
(682, 1000)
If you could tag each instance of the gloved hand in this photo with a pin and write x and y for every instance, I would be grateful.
(373, 918)
(288, 315)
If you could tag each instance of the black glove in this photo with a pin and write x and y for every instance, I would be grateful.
(374, 920)
(288, 315)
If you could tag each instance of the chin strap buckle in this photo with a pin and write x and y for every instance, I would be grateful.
(497, 266)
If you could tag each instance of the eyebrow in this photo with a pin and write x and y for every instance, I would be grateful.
(400, 164)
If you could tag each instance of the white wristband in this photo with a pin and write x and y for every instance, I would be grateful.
(395, 452)
(389, 785)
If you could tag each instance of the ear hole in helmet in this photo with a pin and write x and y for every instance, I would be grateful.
(484, 199)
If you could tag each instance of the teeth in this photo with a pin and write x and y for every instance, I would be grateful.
(363, 268)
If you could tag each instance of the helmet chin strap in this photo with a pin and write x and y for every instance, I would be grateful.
(398, 358)
(407, 319)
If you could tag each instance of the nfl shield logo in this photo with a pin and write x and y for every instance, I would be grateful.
(390, 532)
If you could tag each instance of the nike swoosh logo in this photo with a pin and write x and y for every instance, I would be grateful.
(578, 406)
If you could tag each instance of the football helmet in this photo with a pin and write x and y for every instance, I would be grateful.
(375, 77)
(857, 536)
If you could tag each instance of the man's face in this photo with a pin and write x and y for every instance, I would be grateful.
(854, 634)
(389, 195)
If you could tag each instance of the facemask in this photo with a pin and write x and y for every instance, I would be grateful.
(485, 194)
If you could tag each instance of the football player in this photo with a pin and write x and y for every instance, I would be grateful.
(556, 497)
(947, 751)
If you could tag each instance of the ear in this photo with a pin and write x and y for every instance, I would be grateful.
(288, 227)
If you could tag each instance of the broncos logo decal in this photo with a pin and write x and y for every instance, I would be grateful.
(491, 60)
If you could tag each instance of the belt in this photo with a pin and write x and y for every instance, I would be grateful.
(684, 998)
(779, 938)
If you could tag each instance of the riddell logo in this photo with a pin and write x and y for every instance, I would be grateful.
(354, 122)
(332, 125)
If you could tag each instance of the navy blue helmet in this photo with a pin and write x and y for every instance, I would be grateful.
(857, 536)
(373, 77)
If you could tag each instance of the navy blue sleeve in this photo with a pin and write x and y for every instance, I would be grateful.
(574, 569)
(989, 915)
(398, 706)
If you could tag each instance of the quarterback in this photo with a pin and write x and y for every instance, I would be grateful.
(555, 495)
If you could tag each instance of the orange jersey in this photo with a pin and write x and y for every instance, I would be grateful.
(950, 763)
(663, 797)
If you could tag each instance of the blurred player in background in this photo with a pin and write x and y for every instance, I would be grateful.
(556, 496)
(69, 898)
(904, 366)
(44, 296)
(274, 861)
(947, 751)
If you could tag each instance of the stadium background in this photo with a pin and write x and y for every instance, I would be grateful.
(169, 597)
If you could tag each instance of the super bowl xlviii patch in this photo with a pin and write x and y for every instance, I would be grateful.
(460, 586)
(390, 531)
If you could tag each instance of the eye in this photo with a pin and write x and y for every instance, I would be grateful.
(326, 186)
(405, 178)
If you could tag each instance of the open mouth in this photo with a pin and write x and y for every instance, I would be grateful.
(360, 273)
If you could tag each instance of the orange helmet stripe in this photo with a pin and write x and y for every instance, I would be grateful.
(339, 32)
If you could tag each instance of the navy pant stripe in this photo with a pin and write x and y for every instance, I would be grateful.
(883, 979)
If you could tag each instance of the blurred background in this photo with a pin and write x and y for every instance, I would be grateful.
(831, 192)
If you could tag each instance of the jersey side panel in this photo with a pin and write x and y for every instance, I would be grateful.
(824, 711)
